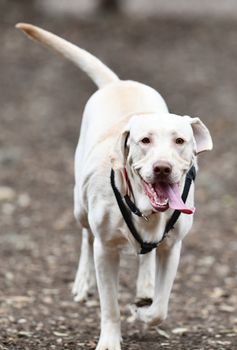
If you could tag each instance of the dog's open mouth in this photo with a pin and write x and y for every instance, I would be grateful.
(164, 195)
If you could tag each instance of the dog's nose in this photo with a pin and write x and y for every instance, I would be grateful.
(162, 168)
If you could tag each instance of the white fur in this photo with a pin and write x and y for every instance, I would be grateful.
(118, 109)
(84, 283)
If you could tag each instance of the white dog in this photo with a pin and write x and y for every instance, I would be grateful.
(127, 127)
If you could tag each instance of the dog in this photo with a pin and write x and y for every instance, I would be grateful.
(130, 147)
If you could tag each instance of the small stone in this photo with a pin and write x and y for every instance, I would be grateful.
(9, 156)
(25, 221)
(92, 303)
(8, 209)
(47, 300)
(131, 319)
(21, 321)
(9, 276)
(6, 193)
(24, 200)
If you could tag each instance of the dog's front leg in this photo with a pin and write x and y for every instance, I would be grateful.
(107, 265)
(146, 277)
(167, 264)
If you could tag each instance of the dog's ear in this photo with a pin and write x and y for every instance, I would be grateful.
(120, 151)
(201, 135)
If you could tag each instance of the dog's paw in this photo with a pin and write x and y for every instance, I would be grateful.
(82, 289)
(148, 314)
(109, 341)
(80, 296)
(104, 345)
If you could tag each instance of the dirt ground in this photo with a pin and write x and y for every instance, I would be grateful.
(193, 64)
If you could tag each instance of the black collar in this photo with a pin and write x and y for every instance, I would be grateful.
(146, 247)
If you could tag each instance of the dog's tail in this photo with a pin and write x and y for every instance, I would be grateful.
(96, 70)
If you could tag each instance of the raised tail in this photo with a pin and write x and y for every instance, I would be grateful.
(96, 70)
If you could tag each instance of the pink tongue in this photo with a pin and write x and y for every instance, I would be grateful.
(175, 200)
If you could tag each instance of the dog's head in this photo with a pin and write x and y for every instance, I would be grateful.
(159, 150)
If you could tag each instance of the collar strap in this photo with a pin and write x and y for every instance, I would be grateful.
(146, 247)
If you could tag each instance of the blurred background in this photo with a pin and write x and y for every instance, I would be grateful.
(187, 51)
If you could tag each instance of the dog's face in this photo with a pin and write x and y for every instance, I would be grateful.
(159, 150)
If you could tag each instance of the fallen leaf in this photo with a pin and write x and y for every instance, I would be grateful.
(60, 334)
(180, 330)
(162, 333)
(218, 293)
(24, 334)
(227, 308)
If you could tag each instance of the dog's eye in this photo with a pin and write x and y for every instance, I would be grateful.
(145, 140)
(179, 141)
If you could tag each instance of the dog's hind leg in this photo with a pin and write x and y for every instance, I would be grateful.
(146, 278)
(84, 283)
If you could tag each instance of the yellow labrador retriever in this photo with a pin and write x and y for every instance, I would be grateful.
(132, 177)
